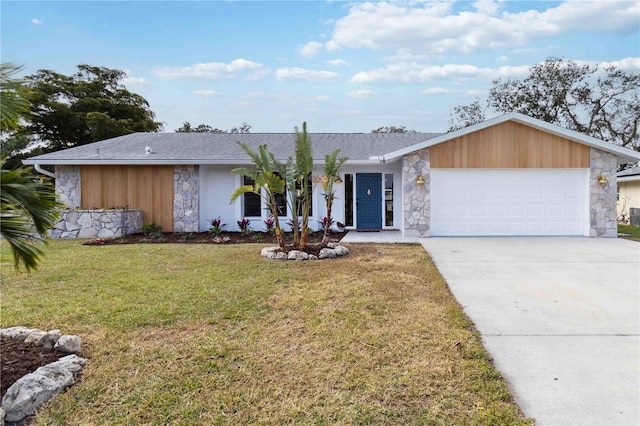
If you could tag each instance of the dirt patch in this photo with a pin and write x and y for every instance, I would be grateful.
(18, 359)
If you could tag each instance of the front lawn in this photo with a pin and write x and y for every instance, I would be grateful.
(632, 232)
(207, 334)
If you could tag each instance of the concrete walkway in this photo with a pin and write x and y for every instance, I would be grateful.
(560, 317)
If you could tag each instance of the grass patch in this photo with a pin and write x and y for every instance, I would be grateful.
(205, 334)
(632, 232)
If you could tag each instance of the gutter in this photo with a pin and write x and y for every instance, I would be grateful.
(43, 171)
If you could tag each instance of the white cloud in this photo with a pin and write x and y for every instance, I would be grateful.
(433, 28)
(36, 21)
(412, 72)
(133, 81)
(205, 92)
(626, 64)
(310, 49)
(210, 70)
(503, 58)
(476, 92)
(301, 74)
(323, 98)
(360, 94)
(435, 91)
(337, 62)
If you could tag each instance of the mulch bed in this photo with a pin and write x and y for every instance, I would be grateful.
(207, 238)
(18, 359)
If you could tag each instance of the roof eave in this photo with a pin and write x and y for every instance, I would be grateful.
(633, 178)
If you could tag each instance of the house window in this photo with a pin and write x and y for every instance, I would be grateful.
(251, 203)
(388, 200)
(309, 193)
(348, 199)
(281, 205)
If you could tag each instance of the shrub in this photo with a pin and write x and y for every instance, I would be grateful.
(152, 229)
(217, 226)
(270, 224)
(245, 226)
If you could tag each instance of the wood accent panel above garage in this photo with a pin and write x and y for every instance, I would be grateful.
(509, 145)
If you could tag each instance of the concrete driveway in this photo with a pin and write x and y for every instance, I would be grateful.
(560, 317)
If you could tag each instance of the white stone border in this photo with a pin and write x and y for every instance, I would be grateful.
(33, 390)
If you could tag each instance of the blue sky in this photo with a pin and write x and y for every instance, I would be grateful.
(340, 66)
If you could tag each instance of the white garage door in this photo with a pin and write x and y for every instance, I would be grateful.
(487, 202)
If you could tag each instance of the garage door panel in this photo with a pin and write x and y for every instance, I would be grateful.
(508, 202)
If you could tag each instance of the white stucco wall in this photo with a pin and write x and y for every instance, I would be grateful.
(217, 183)
(629, 196)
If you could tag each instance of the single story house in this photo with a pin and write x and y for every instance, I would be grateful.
(510, 175)
(628, 191)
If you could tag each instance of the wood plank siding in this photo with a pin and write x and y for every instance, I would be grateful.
(149, 188)
(509, 146)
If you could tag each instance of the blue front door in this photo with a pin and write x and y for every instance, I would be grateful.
(369, 200)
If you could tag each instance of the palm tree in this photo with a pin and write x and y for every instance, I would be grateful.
(28, 208)
(14, 103)
(332, 165)
(304, 167)
(265, 176)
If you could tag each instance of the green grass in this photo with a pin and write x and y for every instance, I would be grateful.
(212, 334)
(633, 232)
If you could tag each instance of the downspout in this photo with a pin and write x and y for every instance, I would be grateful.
(43, 171)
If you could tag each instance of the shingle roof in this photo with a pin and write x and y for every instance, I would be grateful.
(213, 148)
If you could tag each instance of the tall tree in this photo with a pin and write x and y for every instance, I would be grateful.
(393, 129)
(90, 105)
(205, 128)
(604, 103)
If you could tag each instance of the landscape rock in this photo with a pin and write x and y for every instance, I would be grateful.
(36, 337)
(50, 339)
(30, 392)
(18, 333)
(68, 344)
(297, 255)
(268, 250)
(281, 256)
(327, 253)
(341, 250)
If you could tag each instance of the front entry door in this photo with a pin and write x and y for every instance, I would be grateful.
(369, 200)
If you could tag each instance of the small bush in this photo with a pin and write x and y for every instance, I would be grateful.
(245, 226)
(217, 226)
(152, 229)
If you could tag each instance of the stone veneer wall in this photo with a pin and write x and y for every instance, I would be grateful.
(416, 198)
(602, 197)
(186, 199)
(68, 186)
(100, 223)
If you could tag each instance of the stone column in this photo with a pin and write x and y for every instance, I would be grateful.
(68, 186)
(186, 199)
(602, 197)
(416, 200)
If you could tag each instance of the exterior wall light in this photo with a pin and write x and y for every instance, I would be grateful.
(602, 180)
(338, 179)
(420, 180)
